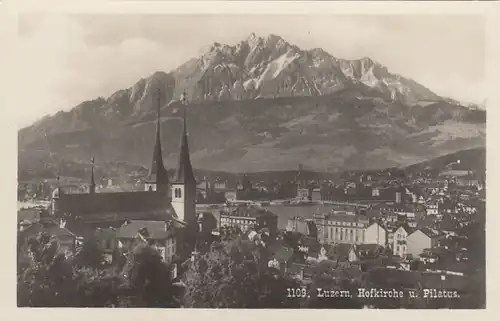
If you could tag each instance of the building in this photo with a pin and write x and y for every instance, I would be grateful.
(162, 201)
(432, 208)
(161, 235)
(304, 194)
(316, 194)
(422, 239)
(345, 253)
(399, 240)
(302, 225)
(375, 234)
(341, 228)
(247, 217)
(107, 242)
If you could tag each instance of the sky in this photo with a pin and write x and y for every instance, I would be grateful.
(66, 59)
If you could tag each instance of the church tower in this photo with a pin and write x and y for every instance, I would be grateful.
(184, 184)
(57, 194)
(92, 180)
(158, 176)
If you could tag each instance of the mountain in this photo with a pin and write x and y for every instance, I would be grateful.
(264, 104)
(271, 67)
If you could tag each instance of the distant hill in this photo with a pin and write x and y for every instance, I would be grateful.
(470, 159)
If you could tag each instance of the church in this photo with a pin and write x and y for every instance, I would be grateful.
(163, 214)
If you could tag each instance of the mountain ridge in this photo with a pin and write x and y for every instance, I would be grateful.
(265, 104)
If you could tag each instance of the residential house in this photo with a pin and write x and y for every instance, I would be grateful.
(316, 194)
(400, 240)
(246, 217)
(284, 256)
(165, 236)
(421, 239)
(375, 234)
(468, 207)
(402, 210)
(309, 246)
(369, 251)
(107, 242)
(29, 215)
(432, 208)
(302, 272)
(301, 225)
(304, 194)
(345, 253)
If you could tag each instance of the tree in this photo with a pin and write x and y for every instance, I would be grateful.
(89, 255)
(148, 279)
(48, 281)
(329, 275)
(97, 288)
(53, 280)
(235, 274)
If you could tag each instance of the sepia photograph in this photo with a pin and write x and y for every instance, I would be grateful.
(264, 161)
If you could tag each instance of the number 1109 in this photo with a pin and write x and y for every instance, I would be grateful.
(296, 293)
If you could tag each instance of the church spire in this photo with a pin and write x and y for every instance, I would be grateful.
(92, 180)
(184, 173)
(158, 175)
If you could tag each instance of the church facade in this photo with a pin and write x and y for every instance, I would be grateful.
(172, 203)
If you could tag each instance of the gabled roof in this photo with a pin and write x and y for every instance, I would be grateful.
(373, 248)
(406, 227)
(283, 254)
(29, 215)
(105, 233)
(152, 230)
(53, 230)
(342, 250)
(250, 211)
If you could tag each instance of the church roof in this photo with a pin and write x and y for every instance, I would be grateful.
(184, 173)
(121, 202)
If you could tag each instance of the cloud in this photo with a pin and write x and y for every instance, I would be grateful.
(58, 69)
(65, 60)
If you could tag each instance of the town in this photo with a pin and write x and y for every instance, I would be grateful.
(390, 229)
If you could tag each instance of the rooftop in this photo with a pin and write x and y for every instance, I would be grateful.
(244, 211)
(154, 230)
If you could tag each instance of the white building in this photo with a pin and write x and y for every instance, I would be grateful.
(375, 234)
(400, 241)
